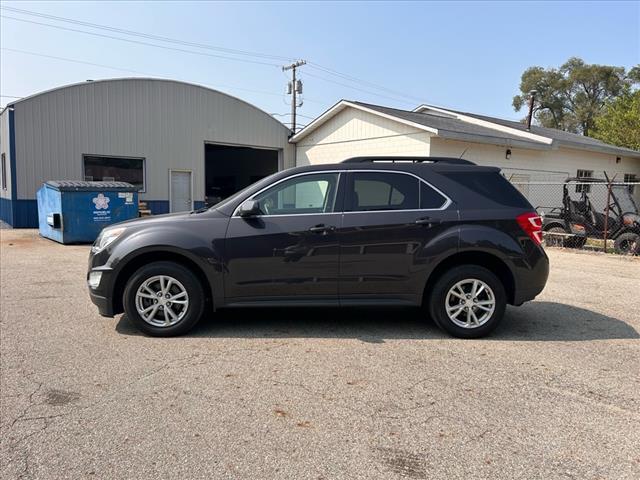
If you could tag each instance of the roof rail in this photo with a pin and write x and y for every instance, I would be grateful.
(452, 161)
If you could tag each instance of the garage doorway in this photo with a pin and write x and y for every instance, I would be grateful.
(230, 168)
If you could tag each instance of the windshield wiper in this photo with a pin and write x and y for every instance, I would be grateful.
(201, 210)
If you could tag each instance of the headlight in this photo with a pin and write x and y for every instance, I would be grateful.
(106, 237)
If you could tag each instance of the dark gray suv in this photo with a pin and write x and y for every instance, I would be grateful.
(443, 234)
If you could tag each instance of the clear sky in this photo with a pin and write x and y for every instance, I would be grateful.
(466, 55)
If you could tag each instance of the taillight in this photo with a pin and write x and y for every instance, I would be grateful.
(531, 223)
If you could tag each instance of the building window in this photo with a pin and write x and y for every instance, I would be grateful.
(631, 178)
(584, 174)
(120, 169)
(4, 172)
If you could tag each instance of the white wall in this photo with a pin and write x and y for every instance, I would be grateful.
(542, 162)
(352, 133)
(541, 166)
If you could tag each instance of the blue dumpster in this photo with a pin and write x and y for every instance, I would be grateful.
(75, 212)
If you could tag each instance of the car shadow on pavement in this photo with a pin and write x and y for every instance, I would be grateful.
(536, 321)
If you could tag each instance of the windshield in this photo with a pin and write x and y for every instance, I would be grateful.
(624, 198)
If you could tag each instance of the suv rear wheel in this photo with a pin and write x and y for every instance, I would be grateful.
(467, 301)
(163, 299)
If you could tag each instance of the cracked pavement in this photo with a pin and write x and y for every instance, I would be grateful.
(318, 394)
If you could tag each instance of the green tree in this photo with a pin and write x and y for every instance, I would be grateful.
(572, 96)
(619, 124)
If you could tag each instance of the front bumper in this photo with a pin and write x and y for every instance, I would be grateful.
(104, 304)
(102, 294)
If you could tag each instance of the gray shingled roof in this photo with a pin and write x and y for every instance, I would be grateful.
(562, 137)
(449, 127)
(456, 129)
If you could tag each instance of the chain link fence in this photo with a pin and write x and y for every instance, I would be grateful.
(597, 213)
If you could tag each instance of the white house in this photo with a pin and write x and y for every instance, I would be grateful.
(352, 128)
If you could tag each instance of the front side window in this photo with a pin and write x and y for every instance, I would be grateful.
(119, 169)
(372, 191)
(314, 193)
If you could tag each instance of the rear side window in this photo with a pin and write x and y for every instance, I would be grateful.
(492, 186)
(383, 191)
(429, 198)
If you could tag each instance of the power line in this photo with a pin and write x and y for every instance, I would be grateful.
(359, 89)
(25, 52)
(289, 113)
(72, 60)
(183, 50)
(318, 67)
(145, 35)
(363, 82)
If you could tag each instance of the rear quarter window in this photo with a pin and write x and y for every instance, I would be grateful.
(492, 186)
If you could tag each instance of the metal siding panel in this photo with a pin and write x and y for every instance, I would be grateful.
(166, 122)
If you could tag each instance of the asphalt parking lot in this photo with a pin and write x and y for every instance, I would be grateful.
(322, 394)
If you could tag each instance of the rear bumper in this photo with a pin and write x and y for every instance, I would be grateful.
(531, 276)
(525, 295)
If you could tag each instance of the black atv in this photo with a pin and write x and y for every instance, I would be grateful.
(571, 224)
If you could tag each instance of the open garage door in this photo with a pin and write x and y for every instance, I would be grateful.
(230, 168)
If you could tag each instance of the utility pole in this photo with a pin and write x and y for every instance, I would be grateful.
(295, 87)
(532, 99)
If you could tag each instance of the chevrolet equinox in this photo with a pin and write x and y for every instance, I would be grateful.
(444, 234)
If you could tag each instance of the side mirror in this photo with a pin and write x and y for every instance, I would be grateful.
(249, 208)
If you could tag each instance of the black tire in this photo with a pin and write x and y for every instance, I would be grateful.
(627, 244)
(194, 308)
(436, 300)
(576, 242)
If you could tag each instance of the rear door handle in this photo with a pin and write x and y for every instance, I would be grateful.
(428, 221)
(322, 228)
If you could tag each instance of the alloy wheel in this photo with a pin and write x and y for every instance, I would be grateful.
(162, 301)
(470, 303)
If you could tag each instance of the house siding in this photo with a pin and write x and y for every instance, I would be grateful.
(352, 133)
(526, 166)
(560, 162)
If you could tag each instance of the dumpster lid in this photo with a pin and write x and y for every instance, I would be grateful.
(84, 186)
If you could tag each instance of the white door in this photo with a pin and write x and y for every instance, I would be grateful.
(180, 191)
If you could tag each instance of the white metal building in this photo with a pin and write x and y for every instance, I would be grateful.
(351, 129)
(182, 144)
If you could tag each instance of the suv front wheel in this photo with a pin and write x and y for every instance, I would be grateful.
(467, 301)
(163, 299)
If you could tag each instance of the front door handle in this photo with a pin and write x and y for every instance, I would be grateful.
(427, 221)
(322, 228)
